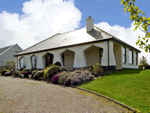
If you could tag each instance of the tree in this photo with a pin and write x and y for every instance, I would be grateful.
(141, 22)
(143, 61)
(11, 64)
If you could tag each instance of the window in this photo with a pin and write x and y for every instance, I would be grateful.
(130, 57)
(136, 58)
(15, 53)
(34, 61)
(124, 55)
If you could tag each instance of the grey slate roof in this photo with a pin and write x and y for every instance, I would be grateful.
(71, 38)
(4, 49)
(68, 38)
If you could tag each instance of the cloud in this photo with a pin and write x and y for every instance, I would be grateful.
(40, 20)
(125, 34)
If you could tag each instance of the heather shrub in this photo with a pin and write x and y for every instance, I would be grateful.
(17, 73)
(26, 74)
(80, 76)
(57, 63)
(67, 82)
(75, 77)
(97, 69)
(8, 73)
(38, 75)
(53, 70)
(62, 77)
(33, 73)
(55, 79)
(4, 71)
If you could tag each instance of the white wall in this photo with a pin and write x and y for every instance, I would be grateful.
(79, 58)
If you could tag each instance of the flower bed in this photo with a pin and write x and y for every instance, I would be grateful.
(72, 78)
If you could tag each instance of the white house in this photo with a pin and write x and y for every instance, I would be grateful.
(79, 48)
(7, 53)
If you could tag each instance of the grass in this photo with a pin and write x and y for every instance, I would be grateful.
(131, 87)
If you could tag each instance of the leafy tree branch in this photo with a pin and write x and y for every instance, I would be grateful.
(141, 22)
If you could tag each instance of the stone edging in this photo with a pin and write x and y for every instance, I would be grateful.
(134, 111)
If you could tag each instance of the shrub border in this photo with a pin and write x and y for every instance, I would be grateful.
(126, 106)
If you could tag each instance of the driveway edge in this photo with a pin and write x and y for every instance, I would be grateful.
(128, 107)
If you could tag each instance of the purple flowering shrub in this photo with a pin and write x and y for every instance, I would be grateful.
(80, 76)
(8, 73)
(74, 78)
(55, 79)
(62, 77)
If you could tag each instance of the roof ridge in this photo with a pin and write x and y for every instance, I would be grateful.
(104, 31)
(40, 42)
(71, 31)
(7, 49)
(6, 46)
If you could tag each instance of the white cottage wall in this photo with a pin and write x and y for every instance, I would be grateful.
(79, 59)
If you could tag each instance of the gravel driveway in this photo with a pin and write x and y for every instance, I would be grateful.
(29, 96)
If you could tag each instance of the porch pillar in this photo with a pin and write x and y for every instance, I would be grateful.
(112, 61)
(79, 59)
(40, 61)
(28, 62)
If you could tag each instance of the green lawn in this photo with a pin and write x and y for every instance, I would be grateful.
(131, 87)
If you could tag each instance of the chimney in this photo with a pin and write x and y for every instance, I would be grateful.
(89, 24)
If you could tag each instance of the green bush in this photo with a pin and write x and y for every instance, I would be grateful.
(17, 73)
(33, 73)
(4, 71)
(57, 63)
(26, 70)
(38, 75)
(45, 71)
(53, 70)
(97, 69)
(62, 77)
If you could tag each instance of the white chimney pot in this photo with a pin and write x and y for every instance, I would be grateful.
(89, 24)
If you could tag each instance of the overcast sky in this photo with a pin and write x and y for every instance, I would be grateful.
(27, 22)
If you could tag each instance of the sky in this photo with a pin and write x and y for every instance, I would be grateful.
(27, 22)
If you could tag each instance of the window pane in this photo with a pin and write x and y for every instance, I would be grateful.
(130, 57)
(124, 55)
